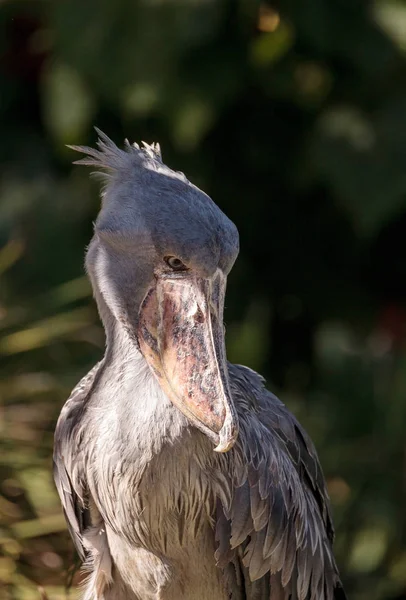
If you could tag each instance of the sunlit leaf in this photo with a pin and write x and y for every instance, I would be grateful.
(368, 549)
(269, 47)
(45, 332)
(67, 103)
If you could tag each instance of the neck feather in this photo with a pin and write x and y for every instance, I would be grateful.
(137, 407)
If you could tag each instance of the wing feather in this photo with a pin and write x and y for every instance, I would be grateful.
(241, 519)
(278, 524)
(69, 463)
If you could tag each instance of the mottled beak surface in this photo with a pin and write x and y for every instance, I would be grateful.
(181, 336)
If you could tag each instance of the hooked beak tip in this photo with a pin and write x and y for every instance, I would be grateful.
(228, 436)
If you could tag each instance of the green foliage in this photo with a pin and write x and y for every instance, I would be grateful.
(293, 117)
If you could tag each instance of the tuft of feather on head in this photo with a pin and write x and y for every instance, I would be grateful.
(109, 157)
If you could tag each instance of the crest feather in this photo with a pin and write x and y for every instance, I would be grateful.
(153, 150)
(109, 157)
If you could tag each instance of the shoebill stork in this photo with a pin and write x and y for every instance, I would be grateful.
(180, 475)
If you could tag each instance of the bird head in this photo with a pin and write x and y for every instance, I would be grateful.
(160, 257)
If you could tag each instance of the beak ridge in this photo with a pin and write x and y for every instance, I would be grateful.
(181, 336)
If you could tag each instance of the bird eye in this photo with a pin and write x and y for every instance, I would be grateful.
(175, 263)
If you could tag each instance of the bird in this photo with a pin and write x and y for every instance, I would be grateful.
(180, 475)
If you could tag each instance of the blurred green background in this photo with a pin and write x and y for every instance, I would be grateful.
(292, 115)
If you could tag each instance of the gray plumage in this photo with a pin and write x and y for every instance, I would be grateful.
(153, 510)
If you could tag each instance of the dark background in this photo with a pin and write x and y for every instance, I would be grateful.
(292, 116)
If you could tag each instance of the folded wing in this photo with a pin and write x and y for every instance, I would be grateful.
(275, 537)
(84, 521)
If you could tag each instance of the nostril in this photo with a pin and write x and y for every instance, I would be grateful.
(198, 316)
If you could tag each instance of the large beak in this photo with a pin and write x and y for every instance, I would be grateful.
(181, 336)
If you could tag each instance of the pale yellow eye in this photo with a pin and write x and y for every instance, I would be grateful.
(175, 263)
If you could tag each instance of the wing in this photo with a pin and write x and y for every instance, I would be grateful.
(275, 535)
(69, 462)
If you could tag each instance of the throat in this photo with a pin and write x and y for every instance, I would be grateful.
(136, 418)
(135, 407)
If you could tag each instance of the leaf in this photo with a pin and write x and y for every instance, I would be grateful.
(68, 107)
